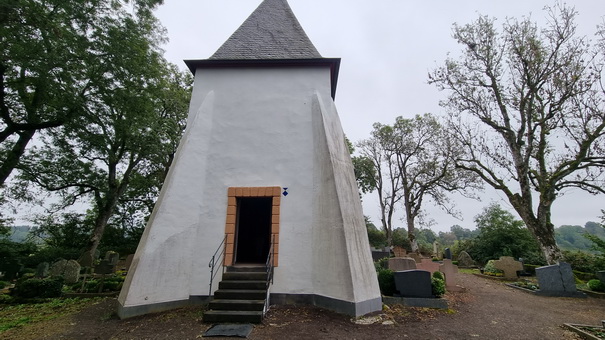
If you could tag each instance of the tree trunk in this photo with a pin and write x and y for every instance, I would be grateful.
(14, 155)
(99, 229)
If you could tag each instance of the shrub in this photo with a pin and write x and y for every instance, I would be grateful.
(584, 276)
(584, 262)
(489, 269)
(437, 286)
(596, 285)
(3, 284)
(39, 288)
(386, 282)
(439, 275)
(383, 263)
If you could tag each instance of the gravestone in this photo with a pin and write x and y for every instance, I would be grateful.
(105, 267)
(428, 265)
(112, 257)
(447, 254)
(450, 271)
(397, 264)
(70, 270)
(42, 269)
(377, 255)
(465, 260)
(509, 266)
(416, 257)
(128, 261)
(399, 251)
(557, 280)
(435, 248)
(601, 275)
(414, 283)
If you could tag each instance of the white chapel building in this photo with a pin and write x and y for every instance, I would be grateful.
(262, 171)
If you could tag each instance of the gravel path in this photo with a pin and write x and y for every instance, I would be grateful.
(486, 310)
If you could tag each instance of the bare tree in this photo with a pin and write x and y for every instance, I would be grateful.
(424, 158)
(527, 104)
(379, 149)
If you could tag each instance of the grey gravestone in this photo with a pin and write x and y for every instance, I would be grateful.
(58, 268)
(414, 283)
(557, 280)
(448, 254)
(601, 276)
(112, 257)
(465, 260)
(397, 264)
(509, 266)
(42, 269)
(70, 270)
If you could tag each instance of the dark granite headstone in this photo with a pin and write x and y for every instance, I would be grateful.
(557, 280)
(377, 255)
(601, 275)
(414, 283)
(448, 253)
(105, 267)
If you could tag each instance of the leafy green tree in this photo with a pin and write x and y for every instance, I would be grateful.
(500, 234)
(117, 151)
(526, 104)
(49, 58)
(598, 242)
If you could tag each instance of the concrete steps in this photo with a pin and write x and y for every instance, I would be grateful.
(240, 297)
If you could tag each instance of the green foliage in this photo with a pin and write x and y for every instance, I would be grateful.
(500, 234)
(376, 237)
(365, 173)
(578, 238)
(437, 286)
(583, 261)
(490, 269)
(508, 130)
(13, 256)
(386, 281)
(439, 275)
(400, 238)
(3, 284)
(382, 263)
(38, 288)
(596, 285)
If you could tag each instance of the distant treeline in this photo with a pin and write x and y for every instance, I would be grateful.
(571, 237)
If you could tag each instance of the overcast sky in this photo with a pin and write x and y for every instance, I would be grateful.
(387, 49)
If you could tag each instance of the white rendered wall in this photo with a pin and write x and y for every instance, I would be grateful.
(258, 128)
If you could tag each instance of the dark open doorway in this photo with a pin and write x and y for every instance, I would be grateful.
(253, 229)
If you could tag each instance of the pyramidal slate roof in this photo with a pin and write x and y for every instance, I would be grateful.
(270, 32)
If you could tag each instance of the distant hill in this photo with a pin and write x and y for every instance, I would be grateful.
(570, 237)
(20, 233)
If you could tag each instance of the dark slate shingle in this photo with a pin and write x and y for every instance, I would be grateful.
(270, 32)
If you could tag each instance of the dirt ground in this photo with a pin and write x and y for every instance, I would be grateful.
(486, 310)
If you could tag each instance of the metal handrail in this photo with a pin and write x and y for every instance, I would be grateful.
(217, 260)
(269, 267)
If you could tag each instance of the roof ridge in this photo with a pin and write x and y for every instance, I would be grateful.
(270, 32)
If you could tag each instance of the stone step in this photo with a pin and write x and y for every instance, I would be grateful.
(250, 276)
(240, 294)
(248, 269)
(232, 316)
(242, 284)
(237, 305)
